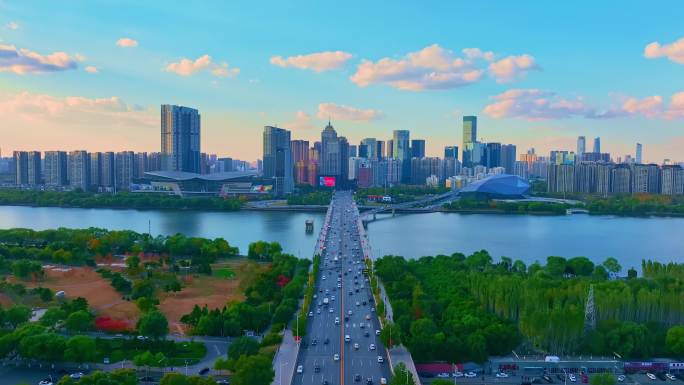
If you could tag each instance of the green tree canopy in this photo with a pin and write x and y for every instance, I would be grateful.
(153, 324)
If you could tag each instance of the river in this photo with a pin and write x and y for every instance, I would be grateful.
(525, 237)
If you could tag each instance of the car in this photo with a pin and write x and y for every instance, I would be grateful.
(366, 334)
(670, 377)
(380, 360)
(368, 317)
(371, 346)
(310, 314)
(443, 375)
(330, 310)
(300, 369)
(369, 381)
(349, 312)
(357, 377)
(336, 357)
(457, 374)
(325, 382)
(501, 375)
(470, 375)
(377, 332)
(347, 338)
(356, 346)
(337, 320)
(315, 296)
(621, 378)
(317, 368)
(314, 342)
(572, 377)
(358, 303)
(204, 371)
(141, 338)
(76, 375)
(318, 311)
(222, 382)
(383, 381)
(46, 381)
(326, 341)
(362, 325)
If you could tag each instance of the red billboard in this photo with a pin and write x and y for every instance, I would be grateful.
(327, 181)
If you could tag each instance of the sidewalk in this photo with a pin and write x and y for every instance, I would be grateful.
(285, 360)
(401, 354)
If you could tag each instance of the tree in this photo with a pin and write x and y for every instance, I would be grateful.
(402, 376)
(179, 379)
(80, 349)
(253, 370)
(79, 321)
(153, 325)
(602, 379)
(675, 340)
(581, 266)
(25, 269)
(116, 377)
(611, 264)
(390, 335)
(556, 266)
(17, 315)
(246, 346)
(133, 262)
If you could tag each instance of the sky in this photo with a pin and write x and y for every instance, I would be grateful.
(92, 74)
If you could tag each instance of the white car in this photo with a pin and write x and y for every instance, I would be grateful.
(457, 374)
(300, 369)
(670, 377)
(501, 375)
(336, 357)
(470, 375)
(310, 314)
(443, 375)
(347, 338)
(349, 312)
(377, 332)
(330, 310)
(372, 347)
(572, 377)
(356, 346)
(337, 320)
(76, 375)
(45, 382)
(621, 378)
(380, 360)
(651, 376)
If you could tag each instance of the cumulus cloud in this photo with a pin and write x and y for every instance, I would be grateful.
(318, 62)
(91, 69)
(12, 25)
(187, 67)
(512, 67)
(301, 122)
(80, 57)
(23, 61)
(673, 51)
(534, 104)
(126, 42)
(476, 53)
(342, 112)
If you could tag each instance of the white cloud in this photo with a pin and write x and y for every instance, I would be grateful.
(12, 25)
(650, 107)
(318, 62)
(673, 51)
(91, 69)
(430, 68)
(342, 112)
(512, 67)
(676, 108)
(301, 122)
(126, 42)
(80, 57)
(534, 104)
(187, 67)
(23, 61)
(476, 53)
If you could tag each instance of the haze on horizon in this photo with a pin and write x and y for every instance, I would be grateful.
(81, 75)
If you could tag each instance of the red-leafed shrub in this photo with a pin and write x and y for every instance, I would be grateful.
(282, 280)
(109, 324)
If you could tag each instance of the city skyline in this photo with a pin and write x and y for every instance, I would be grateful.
(100, 91)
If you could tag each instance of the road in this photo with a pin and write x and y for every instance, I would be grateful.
(348, 326)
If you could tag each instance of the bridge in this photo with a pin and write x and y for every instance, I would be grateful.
(433, 201)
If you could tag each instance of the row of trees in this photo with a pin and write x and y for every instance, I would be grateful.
(128, 377)
(637, 204)
(508, 207)
(119, 200)
(497, 305)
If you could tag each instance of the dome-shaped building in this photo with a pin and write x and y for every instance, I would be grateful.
(502, 186)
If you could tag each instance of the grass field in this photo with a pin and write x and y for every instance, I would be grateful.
(223, 272)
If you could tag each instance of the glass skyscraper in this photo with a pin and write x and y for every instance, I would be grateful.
(278, 159)
(180, 139)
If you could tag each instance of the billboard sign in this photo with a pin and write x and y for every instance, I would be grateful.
(327, 181)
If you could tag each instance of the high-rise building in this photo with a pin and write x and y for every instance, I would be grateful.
(330, 152)
(492, 155)
(35, 175)
(108, 170)
(418, 148)
(621, 179)
(56, 168)
(300, 150)
(141, 165)
(79, 170)
(368, 148)
(21, 168)
(380, 149)
(597, 145)
(638, 153)
(581, 147)
(469, 130)
(124, 165)
(390, 148)
(508, 155)
(402, 152)
(353, 151)
(154, 161)
(451, 152)
(180, 139)
(278, 159)
(95, 170)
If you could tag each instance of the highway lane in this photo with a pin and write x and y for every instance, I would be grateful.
(354, 339)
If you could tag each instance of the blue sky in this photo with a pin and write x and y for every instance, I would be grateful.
(544, 72)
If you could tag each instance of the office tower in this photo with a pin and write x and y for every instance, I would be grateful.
(34, 169)
(418, 148)
(380, 149)
(368, 148)
(95, 170)
(330, 152)
(451, 152)
(520, 169)
(353, 152)
(508, 155)
(21, 168)
(300, 150)
(180, 139)
(205, 162)
(344, 160)
(469, 132)
(638, 153)
(79, 170)
(474, 154)
(581, 147)
(224, 165)
(621, 179)
(597, 145)
(390, 149)
(124, 165)
(424, 168)
(402, 152)
(492, 155)
(55, 168)
(393, 171)
(108, 171)
(154, 161)
(278, 159)
(314, 154)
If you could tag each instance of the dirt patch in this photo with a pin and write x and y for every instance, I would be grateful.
(85, 282)
(201, 290)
